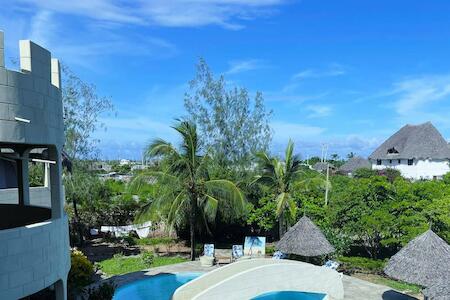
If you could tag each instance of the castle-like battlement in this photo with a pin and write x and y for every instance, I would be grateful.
(30, 99)
(34, 240)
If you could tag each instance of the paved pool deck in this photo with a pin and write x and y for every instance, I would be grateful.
(354, 288)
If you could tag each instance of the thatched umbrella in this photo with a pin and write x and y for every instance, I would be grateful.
(305, 239)
(424, 261)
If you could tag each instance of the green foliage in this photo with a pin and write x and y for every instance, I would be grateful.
(81, 271)
(398, 285)
(82, 108)
(232, 125)
(123, 264)
(188, 195)
(36, 174)
(364, 173)
(361, 264)
(263, 215)
(104, 291)
(148, 258)
(270, 250)
(155, 241)
(280, 177)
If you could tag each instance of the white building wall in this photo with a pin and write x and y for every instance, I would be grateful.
(420, 169)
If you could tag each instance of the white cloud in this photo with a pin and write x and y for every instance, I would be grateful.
(283, 131)
(332, 71)
(417, 93)
(319, 111)
(173, 13)
(240, 66)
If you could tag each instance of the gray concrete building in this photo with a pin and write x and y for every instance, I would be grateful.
(34, 239)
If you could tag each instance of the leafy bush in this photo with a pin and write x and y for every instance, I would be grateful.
(148, 258)
(105, 291)
(361, 264)
(81, 271)
(270, 250)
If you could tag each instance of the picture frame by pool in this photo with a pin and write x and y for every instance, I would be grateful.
(255, 246)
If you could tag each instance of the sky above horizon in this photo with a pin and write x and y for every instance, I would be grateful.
(346, 73)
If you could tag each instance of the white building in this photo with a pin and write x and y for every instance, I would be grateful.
(417, 151)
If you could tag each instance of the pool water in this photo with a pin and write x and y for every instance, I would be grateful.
(160, 287)
(290, 295)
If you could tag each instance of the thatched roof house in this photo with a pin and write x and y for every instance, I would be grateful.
(414, 141)
(424, 261)
(322, 167)
(305, 239)
(354, 164)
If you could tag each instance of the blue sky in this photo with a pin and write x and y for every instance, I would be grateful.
(346, 73)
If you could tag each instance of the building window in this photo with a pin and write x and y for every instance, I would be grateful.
(399, 161)
(378, 162)
(410, 162)
(392, 151)
(390, 161)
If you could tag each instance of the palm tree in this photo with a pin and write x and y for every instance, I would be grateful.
(280, 176)
(188, 191)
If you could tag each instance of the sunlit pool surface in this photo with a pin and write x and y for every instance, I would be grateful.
(290, 295)
(160, 287)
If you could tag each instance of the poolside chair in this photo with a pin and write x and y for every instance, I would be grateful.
(207, 260)
(331, 264)
(237, 252)
(279, 255)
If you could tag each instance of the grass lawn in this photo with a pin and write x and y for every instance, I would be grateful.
(408, 288)
(123, 264)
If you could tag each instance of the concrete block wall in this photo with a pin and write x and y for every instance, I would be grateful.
(39, 196)
(34, 94)
(33, 257)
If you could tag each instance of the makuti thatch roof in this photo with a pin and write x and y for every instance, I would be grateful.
(424, 261)
(439, 291)
(354, 164)
(305, 239)
(414, 141)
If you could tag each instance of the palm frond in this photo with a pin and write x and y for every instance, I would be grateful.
(225, 190)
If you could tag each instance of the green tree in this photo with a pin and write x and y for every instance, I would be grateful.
(190, 192)
(82, 107)
(280, 176)
(233, 126)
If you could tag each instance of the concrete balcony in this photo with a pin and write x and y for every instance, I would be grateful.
(34, 257)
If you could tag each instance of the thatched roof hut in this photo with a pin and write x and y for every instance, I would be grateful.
(354, 164)
(305, 239)
(439, 291)
(424, 261)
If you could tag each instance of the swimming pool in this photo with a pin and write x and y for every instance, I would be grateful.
(159, 287)
(290, 295)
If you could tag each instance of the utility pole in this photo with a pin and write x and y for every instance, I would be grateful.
(327, 184)
(328, 172)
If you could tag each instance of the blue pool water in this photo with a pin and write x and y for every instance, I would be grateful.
(290, 295)
(160, 287)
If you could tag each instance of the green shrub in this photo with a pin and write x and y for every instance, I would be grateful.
(81, 271)
(105, 291)
(361, 264)
(147, 258)
(270, 250)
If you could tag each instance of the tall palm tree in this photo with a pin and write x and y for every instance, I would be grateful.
(188, 191)
(280, 176)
